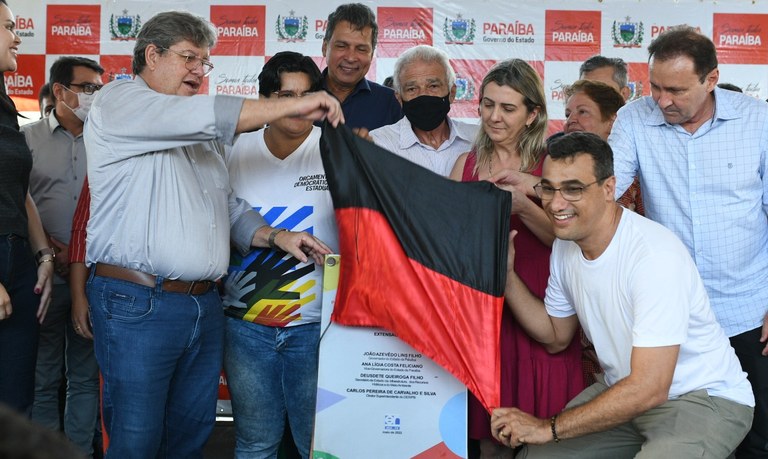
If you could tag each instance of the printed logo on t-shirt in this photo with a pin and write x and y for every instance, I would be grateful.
(270, 287)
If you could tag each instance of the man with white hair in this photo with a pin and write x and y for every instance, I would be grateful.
(425, 84)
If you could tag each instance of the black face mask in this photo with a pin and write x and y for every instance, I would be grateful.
(427, 112)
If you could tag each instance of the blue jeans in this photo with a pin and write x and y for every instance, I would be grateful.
(160, 356)
(61, 348)
(271, 374)
(18, 333)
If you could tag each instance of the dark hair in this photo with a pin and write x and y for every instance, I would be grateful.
(568, 146)
(597, 62)
(287, 62)
(359, 17)
(729, 86)
(45, 94)
(685, 41)
(168, 28)
(607, 99)
(63, 69)
(45, 91)
(389, 81)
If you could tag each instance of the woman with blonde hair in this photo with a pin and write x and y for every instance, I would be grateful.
(513, 116)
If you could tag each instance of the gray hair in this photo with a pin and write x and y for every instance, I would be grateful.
(426, 54)
(168, 28)
(598, 62)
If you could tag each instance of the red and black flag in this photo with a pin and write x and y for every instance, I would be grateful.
(422, 256)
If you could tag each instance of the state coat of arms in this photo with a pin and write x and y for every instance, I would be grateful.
(124, 27)
(627, 34)
(291, 28)
(459, 30)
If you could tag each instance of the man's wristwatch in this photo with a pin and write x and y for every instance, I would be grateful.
(272, 237)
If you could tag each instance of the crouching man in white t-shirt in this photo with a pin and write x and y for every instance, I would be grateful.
(673, 386)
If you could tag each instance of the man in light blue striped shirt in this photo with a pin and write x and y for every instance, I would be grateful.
(701, 153)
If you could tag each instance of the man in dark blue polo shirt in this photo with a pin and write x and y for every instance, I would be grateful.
(348, 46)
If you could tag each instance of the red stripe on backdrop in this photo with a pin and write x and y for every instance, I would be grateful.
(453, 324)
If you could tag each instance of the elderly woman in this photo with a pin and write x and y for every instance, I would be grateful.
(591, 106)
(513, 124)
(25, 286)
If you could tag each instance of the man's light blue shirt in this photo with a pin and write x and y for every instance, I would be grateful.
(161, 202)
(710, 189)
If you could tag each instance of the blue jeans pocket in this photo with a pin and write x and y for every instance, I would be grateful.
(123, 306)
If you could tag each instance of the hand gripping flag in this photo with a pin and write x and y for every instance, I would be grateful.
(421, 255)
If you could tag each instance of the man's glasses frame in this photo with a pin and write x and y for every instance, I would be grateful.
(88, 88)
(570, 193)
(192, 62)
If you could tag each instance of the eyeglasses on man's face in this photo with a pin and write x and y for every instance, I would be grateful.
(570, 193)
(192, 62)
(88, 88)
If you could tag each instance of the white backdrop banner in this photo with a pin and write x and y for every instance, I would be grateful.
(555, 36)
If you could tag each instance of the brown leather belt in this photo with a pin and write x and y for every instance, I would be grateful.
(148, 280)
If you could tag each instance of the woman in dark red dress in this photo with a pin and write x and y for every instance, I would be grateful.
(514, 122)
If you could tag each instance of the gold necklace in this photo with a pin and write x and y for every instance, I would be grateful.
(490, 166)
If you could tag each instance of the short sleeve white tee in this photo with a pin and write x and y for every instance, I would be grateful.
(291, 193)
(645, 291)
